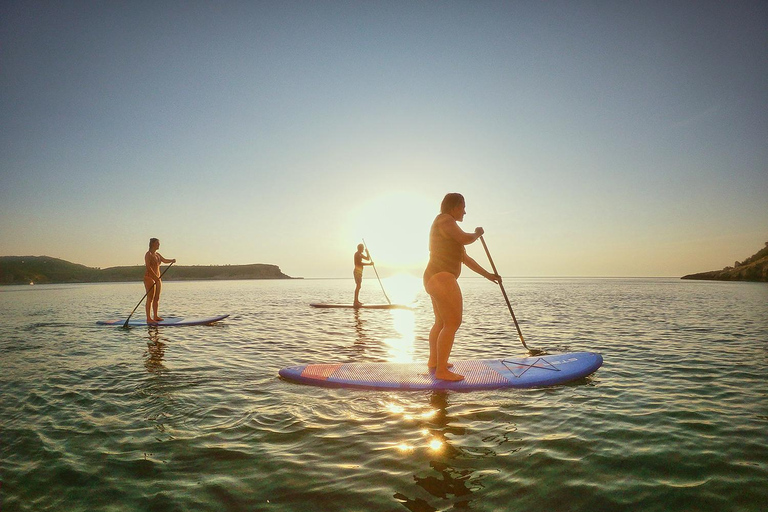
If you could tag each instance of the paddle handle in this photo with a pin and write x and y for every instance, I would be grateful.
(504, 292)
(377, 274)
(145, 296)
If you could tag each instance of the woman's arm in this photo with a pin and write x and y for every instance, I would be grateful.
(450, 228)
(165, 260)
(475, 266)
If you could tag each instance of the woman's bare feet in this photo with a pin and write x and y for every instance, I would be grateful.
(448, 375)
(159, 319)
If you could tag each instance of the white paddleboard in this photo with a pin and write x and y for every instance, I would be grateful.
(362, 306)
(166, 322)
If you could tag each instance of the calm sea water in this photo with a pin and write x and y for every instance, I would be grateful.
(195, 418)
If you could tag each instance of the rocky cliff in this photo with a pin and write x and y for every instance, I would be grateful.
(754, 268)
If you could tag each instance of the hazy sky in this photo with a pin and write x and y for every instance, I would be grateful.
(589, 138)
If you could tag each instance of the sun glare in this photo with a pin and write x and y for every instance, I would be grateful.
(403, 288)
(435, 445)
(395, 227)
(400, 349)
(405, 448)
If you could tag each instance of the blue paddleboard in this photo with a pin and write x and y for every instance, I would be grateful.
(512, 372)
(167, 322)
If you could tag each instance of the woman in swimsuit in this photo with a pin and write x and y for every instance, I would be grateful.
(446, 254)
(358, 272)
(152, 282)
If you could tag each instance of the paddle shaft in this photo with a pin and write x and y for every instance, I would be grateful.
(144, 297)
(504, 292)
(377, 274)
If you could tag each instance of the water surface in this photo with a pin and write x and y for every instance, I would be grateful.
(195, 418)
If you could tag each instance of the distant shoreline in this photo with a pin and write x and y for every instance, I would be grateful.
(21, 270)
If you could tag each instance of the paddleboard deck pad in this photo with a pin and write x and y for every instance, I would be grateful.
(512, 372)
(166, 322)
(363, 306)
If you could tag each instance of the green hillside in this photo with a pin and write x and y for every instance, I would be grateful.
(44, 269)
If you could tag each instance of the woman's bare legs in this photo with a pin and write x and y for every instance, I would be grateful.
(447, 303)
(433, 335)
(149, 285)
(153, 299)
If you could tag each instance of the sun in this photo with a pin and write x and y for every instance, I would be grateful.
(395, 227)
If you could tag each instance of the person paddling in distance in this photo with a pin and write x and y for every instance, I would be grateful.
(152, 282)
(358, 272)
(446, 255)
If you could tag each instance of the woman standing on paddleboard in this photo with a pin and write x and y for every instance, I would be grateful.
(446, 254)
(152, 282)
(358, 272)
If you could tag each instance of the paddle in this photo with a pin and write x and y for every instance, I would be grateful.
(519, 332)
(377, 274)
(125, 325)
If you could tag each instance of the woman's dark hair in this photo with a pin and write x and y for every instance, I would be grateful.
(451, 201)
(151, 241)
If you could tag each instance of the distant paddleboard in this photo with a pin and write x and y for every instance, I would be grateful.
(167, 322)
(363, 306)
(512, 372)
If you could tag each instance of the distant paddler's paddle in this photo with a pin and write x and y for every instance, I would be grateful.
(377, 274)
(125, 325)
(519, 332)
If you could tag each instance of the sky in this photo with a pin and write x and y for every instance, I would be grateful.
(593, 138)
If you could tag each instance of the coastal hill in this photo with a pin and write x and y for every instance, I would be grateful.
(44, 269)
(754, 268)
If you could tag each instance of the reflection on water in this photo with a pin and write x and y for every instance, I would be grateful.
(398, 346)
(438, 427)
(443, 479)
(159, 389)
(400, 349)
(363, 338)
(155, 351)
